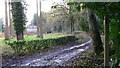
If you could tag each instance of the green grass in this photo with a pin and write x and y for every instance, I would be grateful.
(54, 36)
(27, 38)
(2, 42)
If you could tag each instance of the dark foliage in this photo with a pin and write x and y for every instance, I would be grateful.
(34, 45)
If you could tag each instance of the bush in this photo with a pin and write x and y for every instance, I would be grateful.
(34, 45)
(115, 54)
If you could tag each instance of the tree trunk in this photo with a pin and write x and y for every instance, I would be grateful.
(10, 20)
(72, 23)
(6, 22)
(95, 34)
(20, 36)
(71, 19)
(19, 21)
(71, 27)
(37, 23)
(41, 34)
(106, 41)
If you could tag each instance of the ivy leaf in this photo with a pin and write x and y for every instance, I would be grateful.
(55, 6)
(72, 3)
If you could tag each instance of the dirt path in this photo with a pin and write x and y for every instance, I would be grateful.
(59, 57)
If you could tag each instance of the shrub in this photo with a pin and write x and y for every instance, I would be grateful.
(115, 54)
(17, 45)
(39, 44)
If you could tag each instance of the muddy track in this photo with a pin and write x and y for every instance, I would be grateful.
(56, 58)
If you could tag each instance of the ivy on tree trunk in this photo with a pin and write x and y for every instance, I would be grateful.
(19, 18)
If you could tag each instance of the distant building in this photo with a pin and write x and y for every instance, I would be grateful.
(30, 30)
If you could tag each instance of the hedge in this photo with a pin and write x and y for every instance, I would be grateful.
(39, 44)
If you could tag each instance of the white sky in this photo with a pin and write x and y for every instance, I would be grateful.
(31, 9)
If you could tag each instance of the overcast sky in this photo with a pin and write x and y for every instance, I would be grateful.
(31, 9)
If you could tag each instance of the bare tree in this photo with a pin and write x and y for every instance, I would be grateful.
(6, 22)
(41, 35)
(12, 34)
(37, 23)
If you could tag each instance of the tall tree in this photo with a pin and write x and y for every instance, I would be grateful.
(37, 22)
(1, 25)
(6, 22)
(10, 21)
(106, 41)
(41, 34)
(19, 18)
(94, 32)
(71, 19)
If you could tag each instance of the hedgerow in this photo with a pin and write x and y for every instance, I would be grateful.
(39, 44)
